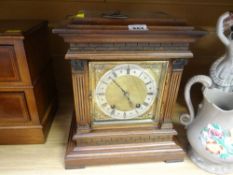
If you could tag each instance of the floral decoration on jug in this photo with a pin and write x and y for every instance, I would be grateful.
(217, 140)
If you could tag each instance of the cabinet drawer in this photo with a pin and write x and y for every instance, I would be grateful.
(8, 64)
(13, 107)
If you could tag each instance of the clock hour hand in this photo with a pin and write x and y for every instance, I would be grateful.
(126, 94)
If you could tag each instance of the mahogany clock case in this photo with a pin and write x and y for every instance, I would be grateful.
(95, 40)
(27, 87)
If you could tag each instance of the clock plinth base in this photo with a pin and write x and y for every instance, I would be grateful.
(80, 156)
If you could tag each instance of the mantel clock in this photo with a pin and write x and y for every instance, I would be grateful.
(126, 74)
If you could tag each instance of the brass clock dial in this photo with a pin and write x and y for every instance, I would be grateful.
(128, 92)
(125, 92)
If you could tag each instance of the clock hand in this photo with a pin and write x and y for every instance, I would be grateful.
(126, 94)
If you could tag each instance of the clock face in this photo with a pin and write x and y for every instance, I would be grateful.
(125, 92)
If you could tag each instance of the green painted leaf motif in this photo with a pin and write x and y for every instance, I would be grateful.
(216, 126)
(220, 142)
(224, 156)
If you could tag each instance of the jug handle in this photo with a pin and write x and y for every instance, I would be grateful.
(186, 119)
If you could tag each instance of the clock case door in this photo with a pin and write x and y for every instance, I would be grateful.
(129, 75)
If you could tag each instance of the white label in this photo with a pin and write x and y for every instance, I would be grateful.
(138, 27)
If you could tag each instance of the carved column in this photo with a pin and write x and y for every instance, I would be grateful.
(175, 78)
(81, 97)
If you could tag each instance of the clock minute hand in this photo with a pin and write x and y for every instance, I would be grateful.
(119, 87)
(126, 94)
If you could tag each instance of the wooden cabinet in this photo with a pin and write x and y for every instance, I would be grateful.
(27, 87)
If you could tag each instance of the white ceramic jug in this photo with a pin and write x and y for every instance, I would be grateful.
(210, 131)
